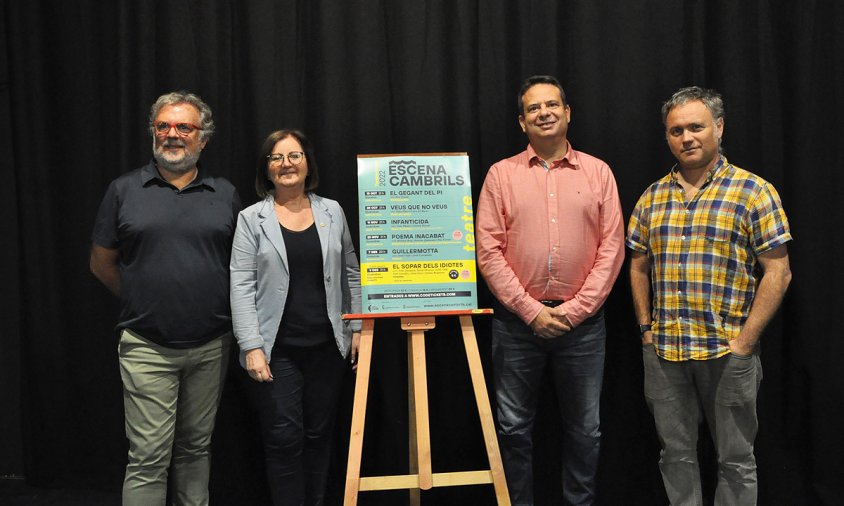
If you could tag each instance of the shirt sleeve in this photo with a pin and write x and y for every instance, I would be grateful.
(608, 260)
(351, 276)
(491, 237)
(768, 222)
(105, 224)
(637, 227)
(243, 269)
(237, 205)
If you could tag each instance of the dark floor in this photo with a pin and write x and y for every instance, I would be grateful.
(15, 492)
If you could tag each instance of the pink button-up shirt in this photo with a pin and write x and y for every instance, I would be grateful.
(550, 234)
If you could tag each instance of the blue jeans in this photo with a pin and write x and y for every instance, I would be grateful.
(723, 391)
(576, 359)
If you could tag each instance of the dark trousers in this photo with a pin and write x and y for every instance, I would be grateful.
(577, 365)
(297, 412)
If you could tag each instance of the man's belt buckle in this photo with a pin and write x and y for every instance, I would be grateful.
(551, 303)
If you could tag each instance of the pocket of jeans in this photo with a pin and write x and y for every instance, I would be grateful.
(741, 357)
(738, 382)
(648, 353)
(657, 385)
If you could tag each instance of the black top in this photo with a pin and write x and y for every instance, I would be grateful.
(174, 254)
(305, 320)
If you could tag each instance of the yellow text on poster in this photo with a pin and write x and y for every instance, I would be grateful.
(411, 273)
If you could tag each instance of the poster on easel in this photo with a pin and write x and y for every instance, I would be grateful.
(417, 235)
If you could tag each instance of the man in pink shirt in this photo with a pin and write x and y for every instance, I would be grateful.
(550, 244)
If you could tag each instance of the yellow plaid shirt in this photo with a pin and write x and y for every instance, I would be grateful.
(703, 256)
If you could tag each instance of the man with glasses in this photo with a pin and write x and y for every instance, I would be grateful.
(550, 245)
(708, 270)
(161, 243)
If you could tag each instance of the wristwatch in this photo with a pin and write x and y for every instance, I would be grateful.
(644, 327)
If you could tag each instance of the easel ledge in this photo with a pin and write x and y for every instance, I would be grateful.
(412, 314)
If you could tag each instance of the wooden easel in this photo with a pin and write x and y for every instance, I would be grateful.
(421, 477)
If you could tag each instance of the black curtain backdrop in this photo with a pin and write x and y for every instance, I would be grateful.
(76, 82)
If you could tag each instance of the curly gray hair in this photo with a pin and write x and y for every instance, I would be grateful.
(206, 120)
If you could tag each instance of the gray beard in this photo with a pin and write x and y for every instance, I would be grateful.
(183, 166)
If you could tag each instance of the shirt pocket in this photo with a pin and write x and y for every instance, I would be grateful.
(717, 239)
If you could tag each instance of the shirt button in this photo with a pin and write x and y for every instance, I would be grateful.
(682, 237)
(553, 220)
(550, 194)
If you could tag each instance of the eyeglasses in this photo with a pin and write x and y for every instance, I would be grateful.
(294, 157)
(162, 128)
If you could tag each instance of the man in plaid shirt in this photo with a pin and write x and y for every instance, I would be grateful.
(709, 269)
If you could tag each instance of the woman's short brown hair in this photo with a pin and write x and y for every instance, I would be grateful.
(263, 185)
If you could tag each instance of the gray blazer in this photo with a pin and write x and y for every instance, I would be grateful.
(260, 276)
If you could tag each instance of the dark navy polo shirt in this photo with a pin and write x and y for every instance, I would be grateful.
(174, 254)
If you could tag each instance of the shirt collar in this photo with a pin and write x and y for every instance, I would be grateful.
(716, 171)
(149, 173)
(570, 157)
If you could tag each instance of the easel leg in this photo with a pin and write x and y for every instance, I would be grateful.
(423, 431)
(359, 413)
(413, 457)
(485, 411)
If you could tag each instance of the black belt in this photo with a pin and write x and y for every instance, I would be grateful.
(551, 303)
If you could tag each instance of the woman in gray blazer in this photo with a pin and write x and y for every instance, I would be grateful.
(294, 272)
